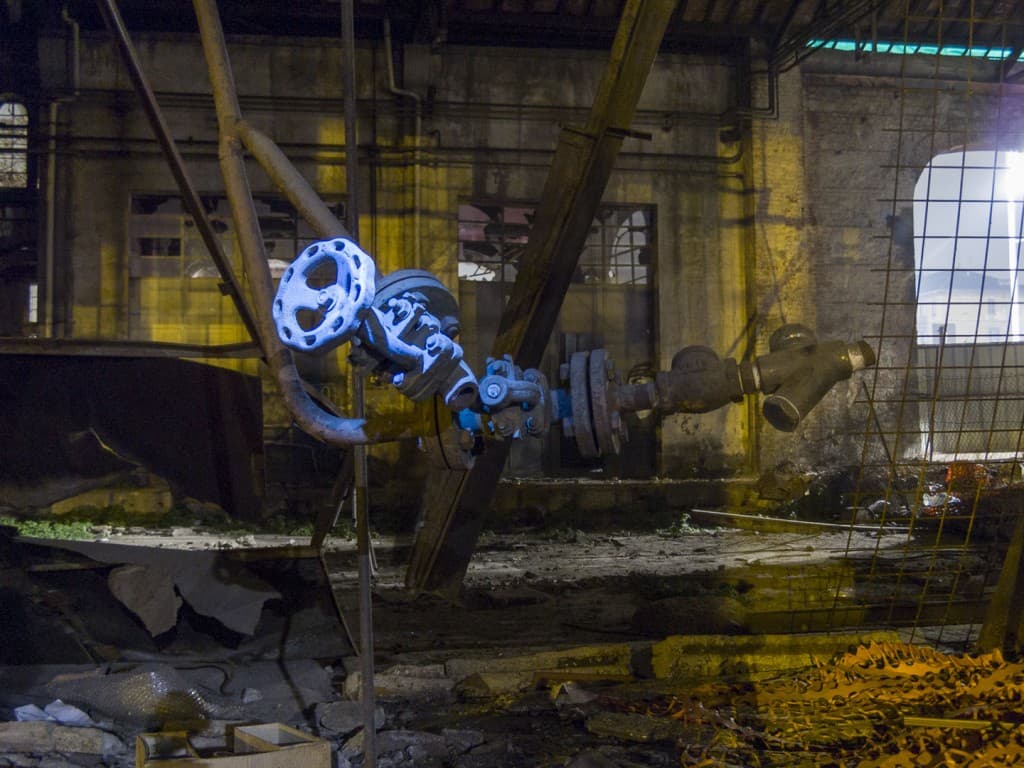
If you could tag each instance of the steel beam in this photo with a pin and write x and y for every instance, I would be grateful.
(1001, 629)
(457, 501)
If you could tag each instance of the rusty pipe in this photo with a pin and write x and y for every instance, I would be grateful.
(795, 374)
(292, 183)
(804, 379)
(310, 417)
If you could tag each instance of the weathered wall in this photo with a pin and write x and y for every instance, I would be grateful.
(834, 183)
(789, 226)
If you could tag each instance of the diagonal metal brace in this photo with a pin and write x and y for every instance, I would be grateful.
(456, 501)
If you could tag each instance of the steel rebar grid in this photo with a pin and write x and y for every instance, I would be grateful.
(954, 419)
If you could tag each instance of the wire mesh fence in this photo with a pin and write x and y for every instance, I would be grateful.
(940, 464)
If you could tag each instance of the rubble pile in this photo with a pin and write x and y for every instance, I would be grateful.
(887, 705)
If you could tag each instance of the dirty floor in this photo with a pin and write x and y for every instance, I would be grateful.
(549, 659)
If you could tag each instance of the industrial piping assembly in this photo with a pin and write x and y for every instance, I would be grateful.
(402, 327)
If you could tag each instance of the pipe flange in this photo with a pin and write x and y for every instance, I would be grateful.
(604, 417)
(310, 318)
(438, 300)
(579, 384)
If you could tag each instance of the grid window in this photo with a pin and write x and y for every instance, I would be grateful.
(176, 286)
(609, 305)
(13, 145)
(967, 236)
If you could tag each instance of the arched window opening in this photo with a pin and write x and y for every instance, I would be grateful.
(970, 319)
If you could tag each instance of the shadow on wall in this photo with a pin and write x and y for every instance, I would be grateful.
(74, 422)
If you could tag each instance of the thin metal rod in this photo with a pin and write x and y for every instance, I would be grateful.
(231, 286)
(310, 418)
(360, 498)
(361, 507)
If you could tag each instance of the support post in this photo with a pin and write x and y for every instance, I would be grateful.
(456, 500)
(1001, 629)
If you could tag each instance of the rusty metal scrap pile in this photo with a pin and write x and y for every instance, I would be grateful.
(886, 704)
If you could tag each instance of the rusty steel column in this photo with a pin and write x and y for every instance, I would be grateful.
(457, 501)
(1001, 628)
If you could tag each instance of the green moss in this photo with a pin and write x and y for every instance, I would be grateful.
(682, 527)
(50, 529)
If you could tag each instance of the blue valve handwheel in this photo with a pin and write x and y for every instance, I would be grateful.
(332, 313)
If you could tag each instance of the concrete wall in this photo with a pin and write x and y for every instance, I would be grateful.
(789, 224)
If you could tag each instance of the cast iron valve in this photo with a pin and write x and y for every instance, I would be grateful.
(389, 322)
(798, 371)
(795, 374)
(516, 400)
(394, 326)
(408, 345)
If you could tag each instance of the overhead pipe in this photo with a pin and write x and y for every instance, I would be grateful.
(292, 183)
(307, 414)
(394, 90)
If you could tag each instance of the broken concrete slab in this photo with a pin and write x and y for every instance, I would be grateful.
(212, 585)
(415, 745)
(487, 685)
(461, 740)
(148, 592)
(42, 738)
(344, 717)
(613, 659)
(411, 687)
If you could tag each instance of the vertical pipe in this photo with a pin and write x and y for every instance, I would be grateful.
(50, 237)
(312, 419)
(51, 224)
(417, 194)
(360, 500)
